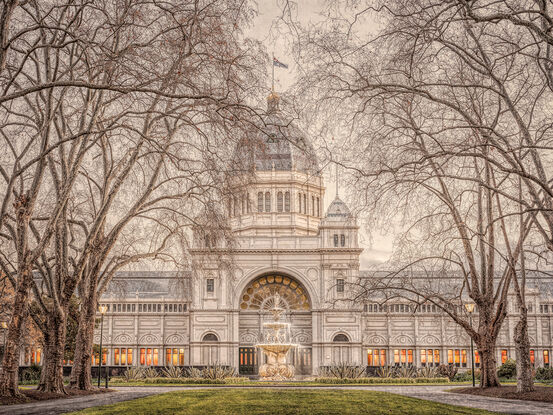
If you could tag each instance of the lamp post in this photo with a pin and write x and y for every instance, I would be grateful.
(102, 309)
(470, 309)
(4, 326)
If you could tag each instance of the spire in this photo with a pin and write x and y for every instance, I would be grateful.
(273, 102)
(337, 194)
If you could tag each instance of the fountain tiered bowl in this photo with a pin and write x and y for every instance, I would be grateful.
(276, 345)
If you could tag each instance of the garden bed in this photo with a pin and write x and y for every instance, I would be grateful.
(541, 394)
(32, 395)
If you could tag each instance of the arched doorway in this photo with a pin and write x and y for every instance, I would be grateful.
(255, 301)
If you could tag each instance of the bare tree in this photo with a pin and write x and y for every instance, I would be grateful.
(448, 98)
(125, 82)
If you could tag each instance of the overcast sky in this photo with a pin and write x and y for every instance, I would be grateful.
(266, 28)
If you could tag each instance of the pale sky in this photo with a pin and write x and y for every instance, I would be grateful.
(278, 41)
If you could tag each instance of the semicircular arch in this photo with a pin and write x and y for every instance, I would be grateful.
(260, 293)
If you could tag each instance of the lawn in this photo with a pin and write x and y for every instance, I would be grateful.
(286, 401)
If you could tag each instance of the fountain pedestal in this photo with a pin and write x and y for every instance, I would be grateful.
(276, 346)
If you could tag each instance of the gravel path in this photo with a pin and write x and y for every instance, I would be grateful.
(438, 393)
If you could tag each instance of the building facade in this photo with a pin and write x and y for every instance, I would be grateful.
(287, 244)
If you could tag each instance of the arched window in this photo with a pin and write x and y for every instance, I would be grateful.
(267, 201)
(299, 202)
(304, 203)
(279, 202)
(336, 240)
(260, 201)
(236, 207)
(287, 202)
(340, 338)
(318, 208)
(343, 240)
(312, 205)
(211, 337)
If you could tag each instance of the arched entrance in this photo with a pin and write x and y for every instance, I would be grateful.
(255, 301)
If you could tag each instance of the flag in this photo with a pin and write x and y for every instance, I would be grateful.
(279, 64)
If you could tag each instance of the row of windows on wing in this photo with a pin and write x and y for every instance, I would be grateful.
(307, 205)
(431, 357)
(144, 308)
(147, 356)
(400, 308)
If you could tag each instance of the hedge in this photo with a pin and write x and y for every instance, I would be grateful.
(376, 380)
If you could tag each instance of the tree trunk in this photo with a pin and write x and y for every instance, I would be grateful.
(81, 372)
(525, 379)
(51, 379)
(488, 364)
(9, 378)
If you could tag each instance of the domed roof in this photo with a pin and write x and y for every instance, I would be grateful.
(279, 145)
(338, 210)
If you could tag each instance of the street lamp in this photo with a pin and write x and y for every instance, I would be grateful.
(4, 326)
(470, 309)
(102, 309)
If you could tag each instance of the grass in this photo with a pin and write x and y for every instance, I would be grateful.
(285, 401)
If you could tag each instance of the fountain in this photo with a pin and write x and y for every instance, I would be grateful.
(276, 345)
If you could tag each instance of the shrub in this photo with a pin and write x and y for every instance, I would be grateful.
(405, 372)
(342, 371)
(385, 372)
(150, 373)
(172, 372)
(133, 374)
(218, 372)
(467, 376)
(508, 369)
(31, 374)
(194, 373)
(427, 372)
(544, 374)
(448, 371)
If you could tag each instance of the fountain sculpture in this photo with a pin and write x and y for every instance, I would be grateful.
(276, 345)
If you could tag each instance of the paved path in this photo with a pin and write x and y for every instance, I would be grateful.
(438, 393)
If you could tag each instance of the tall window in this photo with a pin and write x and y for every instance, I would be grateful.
(122, 356)
(236, 207)
(299, 202)
(376, 357)
(318, 208)
(504, 356)
(546, 358)
(458, 357)
(532, 357)
(243, 204)
(174, 357)
(476, 359)
(260, 201)
(336, 240)
(210, 285)
(343, 240)
(248, 202)
(403, 356)
(312, 205)
(280, 202)
(267, 201)
(340, 283)
(287, 202)
(149, 357)
(304, 203)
